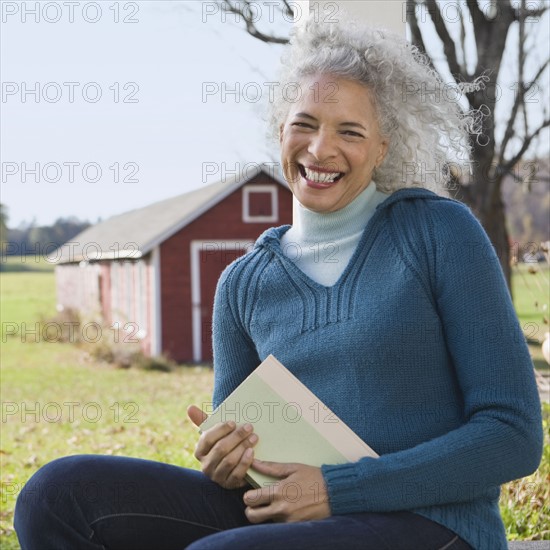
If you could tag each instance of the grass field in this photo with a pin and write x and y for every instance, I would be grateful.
(531, 291)
(56, 401)
(21, 264)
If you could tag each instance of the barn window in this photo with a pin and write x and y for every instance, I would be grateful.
(260, 204)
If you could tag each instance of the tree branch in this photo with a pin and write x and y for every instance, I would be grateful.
(448, 44)
(463, 65)
(509, 164)
(248, 17)
(521, 66)
(479, 24)
(289, 9)
(523, 12)
(412, 20)
(478, 17)
(490, 35)
(538, 75)
(518, 102)
(519, 179)
(520, 94)
(509, 132)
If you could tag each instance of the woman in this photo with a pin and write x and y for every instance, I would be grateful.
(386, 299)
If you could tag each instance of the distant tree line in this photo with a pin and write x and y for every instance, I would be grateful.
(527, 212)
(34, 239)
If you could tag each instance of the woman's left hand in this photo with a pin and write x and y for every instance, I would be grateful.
(299, 495)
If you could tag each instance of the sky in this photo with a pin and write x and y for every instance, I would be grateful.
(110, 109)
(165, 123)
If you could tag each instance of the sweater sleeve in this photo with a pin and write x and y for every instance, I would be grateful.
(501, 437)
(235, 355)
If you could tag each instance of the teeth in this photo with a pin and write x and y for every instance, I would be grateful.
(321, 177)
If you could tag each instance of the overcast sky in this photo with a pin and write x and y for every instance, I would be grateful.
(128, 105)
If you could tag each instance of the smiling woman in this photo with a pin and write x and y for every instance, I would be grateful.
(329, 155)
(361, 312)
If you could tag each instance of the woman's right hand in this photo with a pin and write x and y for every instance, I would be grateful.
(225, 451)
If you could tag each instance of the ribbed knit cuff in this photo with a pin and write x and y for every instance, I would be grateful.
(343, 488)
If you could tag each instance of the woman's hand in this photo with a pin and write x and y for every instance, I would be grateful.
(225, 450)
(300, 495)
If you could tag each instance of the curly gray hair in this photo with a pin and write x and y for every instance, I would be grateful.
(427, 131)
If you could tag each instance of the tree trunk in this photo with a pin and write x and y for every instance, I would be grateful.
(492, 215)
(494, 223)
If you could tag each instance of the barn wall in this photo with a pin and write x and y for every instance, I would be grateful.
(105, 291)
(117, 291)
(223, 222)
(78, 287)
(128, 300)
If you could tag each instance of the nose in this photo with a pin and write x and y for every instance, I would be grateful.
(322, 145)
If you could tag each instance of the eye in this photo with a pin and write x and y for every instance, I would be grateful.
(302, 125)
(352, 133)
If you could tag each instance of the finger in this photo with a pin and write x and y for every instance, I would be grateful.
(223, 461)
(223, 456)
(258, 497)
(210, 437)
(236, 477)
(261, 514)
(196, 415)
(231, 440)
(274, 469)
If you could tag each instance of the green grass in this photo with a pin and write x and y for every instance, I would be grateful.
(120, 412)
(32, 263)
(142, 412)
(531, 293)
(524, 504)
(26, 296)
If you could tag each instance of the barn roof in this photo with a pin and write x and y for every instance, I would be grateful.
(135, 233)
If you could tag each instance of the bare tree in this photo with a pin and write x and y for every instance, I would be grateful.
(493, 157)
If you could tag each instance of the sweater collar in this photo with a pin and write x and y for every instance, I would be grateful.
(272, 235)
(309, 226)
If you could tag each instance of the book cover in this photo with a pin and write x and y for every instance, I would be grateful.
(292, 424)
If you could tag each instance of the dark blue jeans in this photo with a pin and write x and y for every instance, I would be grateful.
(90, 502)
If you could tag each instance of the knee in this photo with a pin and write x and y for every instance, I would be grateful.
(48, 489)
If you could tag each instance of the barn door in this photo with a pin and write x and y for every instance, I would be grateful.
(208, 260)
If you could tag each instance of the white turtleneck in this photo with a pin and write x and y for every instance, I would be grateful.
(322, 244)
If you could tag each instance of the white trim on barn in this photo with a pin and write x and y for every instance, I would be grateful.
(266, 188)
(156, 334)
(196, 247)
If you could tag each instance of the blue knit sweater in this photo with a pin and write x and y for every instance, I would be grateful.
(416, 347)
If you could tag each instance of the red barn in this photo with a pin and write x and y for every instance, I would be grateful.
(153, 271)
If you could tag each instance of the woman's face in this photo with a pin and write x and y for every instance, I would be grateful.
(330, 143)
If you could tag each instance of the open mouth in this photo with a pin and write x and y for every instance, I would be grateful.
(319, 177)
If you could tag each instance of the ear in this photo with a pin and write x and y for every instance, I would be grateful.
(281, 128)
(382, 151)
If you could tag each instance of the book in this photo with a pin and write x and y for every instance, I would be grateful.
(292, 424)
